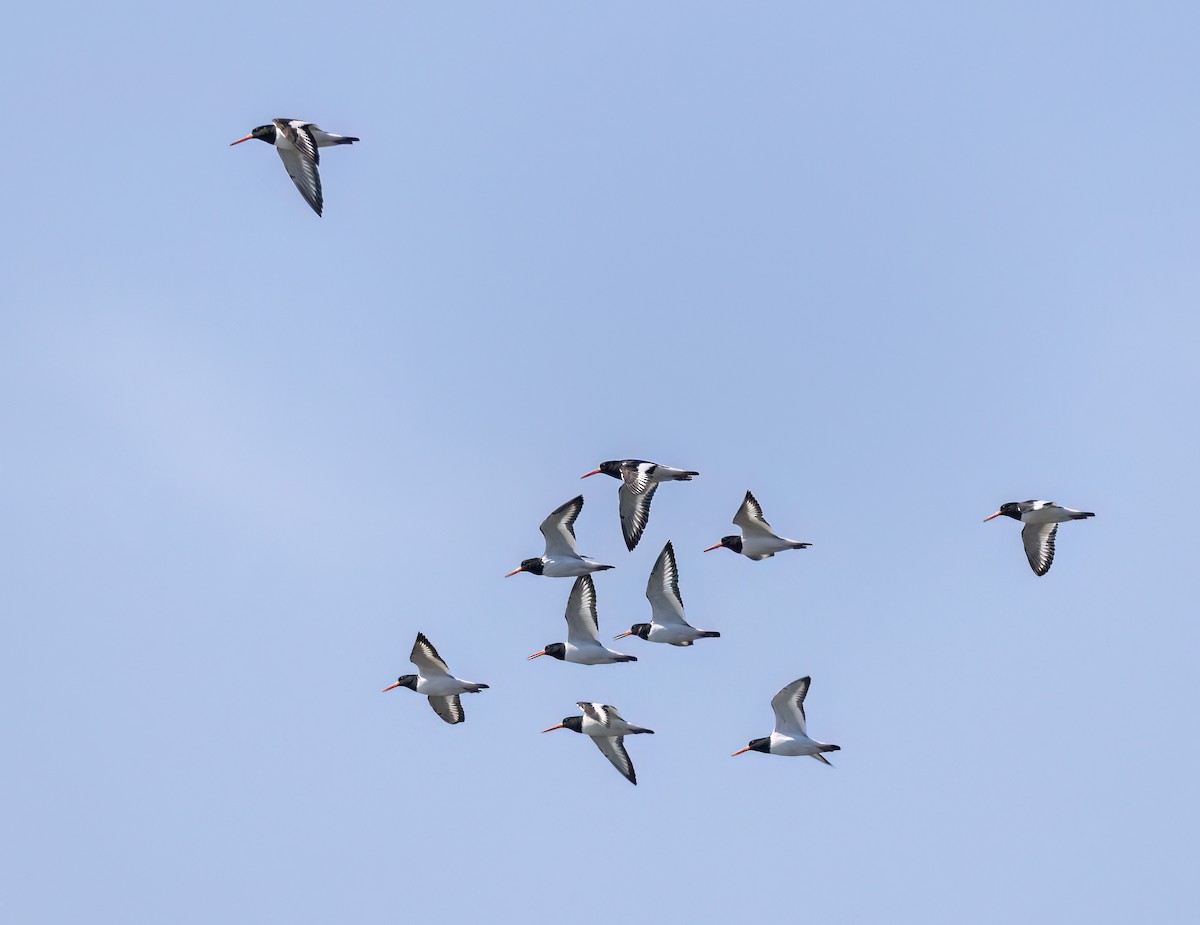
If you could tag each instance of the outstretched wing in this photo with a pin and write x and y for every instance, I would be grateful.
(750, 518)
(635, 511)
(448, 708)
(788, 705)
(300, 161)
(636, 475)
(1039, 545)
(559, 528)
(613, 748)
(601, 713)
(301, 136)
(662, 590)
(583, 625)
(425, 657)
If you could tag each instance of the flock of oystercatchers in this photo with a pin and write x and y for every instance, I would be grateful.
(298, 145)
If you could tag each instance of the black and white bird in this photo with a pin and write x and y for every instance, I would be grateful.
(608, 730)
(790, 736)
(758, 540)
(639, 479)
(433, 679)
(666, 606)
(1041, 520)
(561, 559)
(297, 143)
(583, 631)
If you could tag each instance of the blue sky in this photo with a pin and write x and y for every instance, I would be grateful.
(886, 266)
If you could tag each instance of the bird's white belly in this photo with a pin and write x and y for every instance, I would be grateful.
(565, 568)
(793, 746)
(672, 635)
(760, 547)
(1046, 515)
(588, 655)
(439, 687)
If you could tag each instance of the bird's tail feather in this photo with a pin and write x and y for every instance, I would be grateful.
(826, 748)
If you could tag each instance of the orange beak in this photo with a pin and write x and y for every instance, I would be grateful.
(624, 634)
(519, 568)
(552, 728)
(593, 472)
(740, 751)
(390, 686)
(716, 545)
(240, 140)
(997, 514)
(535, 655)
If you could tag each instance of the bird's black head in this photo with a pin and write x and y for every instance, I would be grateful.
(574, 723)
(559, 651)
(612, 467)
(641, 630)
(1008, 509)
(262, 133)
(532, 566)
(405, 680)
(760, 745)
(729, 542)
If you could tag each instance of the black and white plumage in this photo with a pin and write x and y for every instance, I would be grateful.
(666, 606)
(790, 737)
(639, 480)
(1041, 520)
(298, 144)
(604, 725)
(758, 540)
(433, 679)
(561, 559)
(583, 631)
